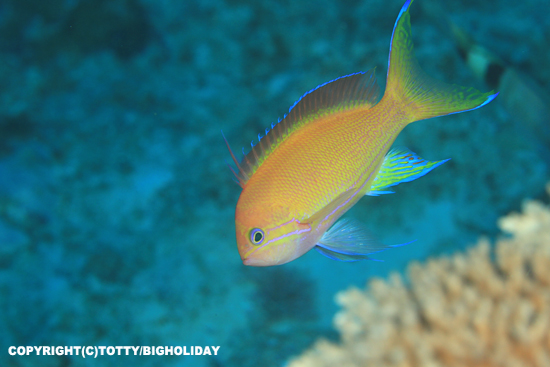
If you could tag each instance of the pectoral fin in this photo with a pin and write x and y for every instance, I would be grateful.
(335, 206)
(400, 165)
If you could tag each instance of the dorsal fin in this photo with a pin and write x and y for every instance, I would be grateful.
(341, 94)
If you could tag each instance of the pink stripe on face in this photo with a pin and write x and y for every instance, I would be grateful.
(287, 235)
(293, 233)
(284, 224)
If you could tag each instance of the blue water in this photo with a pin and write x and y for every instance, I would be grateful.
(116, 205)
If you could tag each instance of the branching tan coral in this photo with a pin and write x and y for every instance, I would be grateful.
(483, 308)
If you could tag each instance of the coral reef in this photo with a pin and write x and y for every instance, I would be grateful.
(482, 308)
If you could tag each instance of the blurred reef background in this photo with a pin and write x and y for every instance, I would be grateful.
(483, 308)
(117, 207)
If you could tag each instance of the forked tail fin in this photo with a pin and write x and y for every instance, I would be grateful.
(419, 95)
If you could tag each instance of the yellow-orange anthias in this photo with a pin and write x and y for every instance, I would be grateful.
(330, 150)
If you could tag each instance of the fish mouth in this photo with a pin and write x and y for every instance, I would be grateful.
(251, 261)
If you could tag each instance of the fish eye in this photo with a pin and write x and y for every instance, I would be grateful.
(256, 236)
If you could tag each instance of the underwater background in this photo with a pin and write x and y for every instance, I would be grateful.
(116, 204)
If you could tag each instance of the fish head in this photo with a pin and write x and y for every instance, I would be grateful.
(269, 234)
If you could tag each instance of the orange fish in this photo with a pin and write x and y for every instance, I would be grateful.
(330, 150)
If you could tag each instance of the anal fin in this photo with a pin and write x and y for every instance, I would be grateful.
(400, 165)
